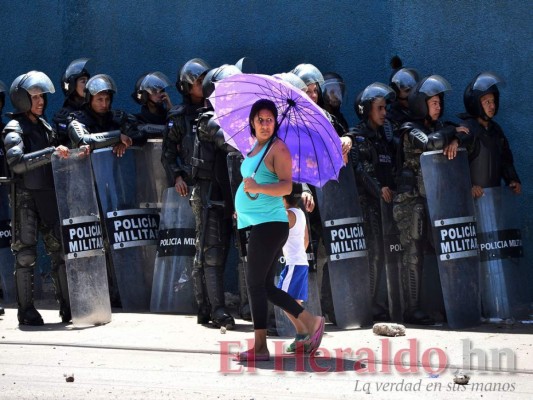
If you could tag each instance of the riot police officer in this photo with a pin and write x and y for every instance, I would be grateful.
(178, 144)
(402, 82)
(150, 93)
(373, 161)
(212, 205)
(333, 92)
(96, 124)
(425, 132)
(178, 138)
(73, 84)
(30, 142)
(490, 156)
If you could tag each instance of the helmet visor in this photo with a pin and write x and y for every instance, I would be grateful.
(100, 83)
(485, 80)
(378, 90)
(193, 69)
(333, 92)
(434, 85)
(154, 82)
(406, 78)
(36, 82)
(76, 67)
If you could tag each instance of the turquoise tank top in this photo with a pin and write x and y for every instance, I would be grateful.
(265, 208)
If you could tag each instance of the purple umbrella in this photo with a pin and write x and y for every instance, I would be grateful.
(313, 142)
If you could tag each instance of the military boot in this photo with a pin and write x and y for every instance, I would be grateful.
(27, 314)
(214, 284)
(222, 318)
(411, 281)
(200, 295)
(59, 277)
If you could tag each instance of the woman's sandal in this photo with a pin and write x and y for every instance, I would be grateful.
(316, 339)
(249, 355)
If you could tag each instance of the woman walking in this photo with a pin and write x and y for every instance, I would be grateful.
(259, 205)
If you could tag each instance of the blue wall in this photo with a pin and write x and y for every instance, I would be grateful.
(456, 39)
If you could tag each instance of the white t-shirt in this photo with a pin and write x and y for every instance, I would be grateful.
(294, 248)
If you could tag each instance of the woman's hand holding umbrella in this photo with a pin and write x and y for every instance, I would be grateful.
(251, 186)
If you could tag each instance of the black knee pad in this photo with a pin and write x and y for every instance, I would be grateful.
(214, 257)
(26, 257)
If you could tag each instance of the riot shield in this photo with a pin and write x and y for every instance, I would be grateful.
(152, 150)
(501, 253)
(82, 240)
(345, 244)
(128, 201)
(393, 261)
(172, 289)
(313, 302)
(7, 261)
(451, 211)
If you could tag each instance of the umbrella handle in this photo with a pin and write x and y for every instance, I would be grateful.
(253, 196)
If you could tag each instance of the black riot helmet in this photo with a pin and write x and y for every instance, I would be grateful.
(428, 87)
(26, 85)
(75, 70)
(333, 90)
(148, 84)
(97, 84)
(3, 89)
(484, 83)
(309, 74)
(190, 72)
(292, 79)
(364, 100)
(215, 75)
(404, 79)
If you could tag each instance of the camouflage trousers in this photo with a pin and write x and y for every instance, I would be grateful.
(34, 212)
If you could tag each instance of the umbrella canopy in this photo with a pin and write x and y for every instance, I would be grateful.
(313, 142)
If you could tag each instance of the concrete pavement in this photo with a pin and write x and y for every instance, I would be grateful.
(152, 356)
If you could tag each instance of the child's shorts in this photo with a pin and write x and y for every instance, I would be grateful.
(293, 280)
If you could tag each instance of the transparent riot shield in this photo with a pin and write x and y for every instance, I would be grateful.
(128, 200)
(451, 211)
(501, 252)
(393, 261)
(172, 289)
(344, 240)
(7, 261)
(152, 150)
(82, 239)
